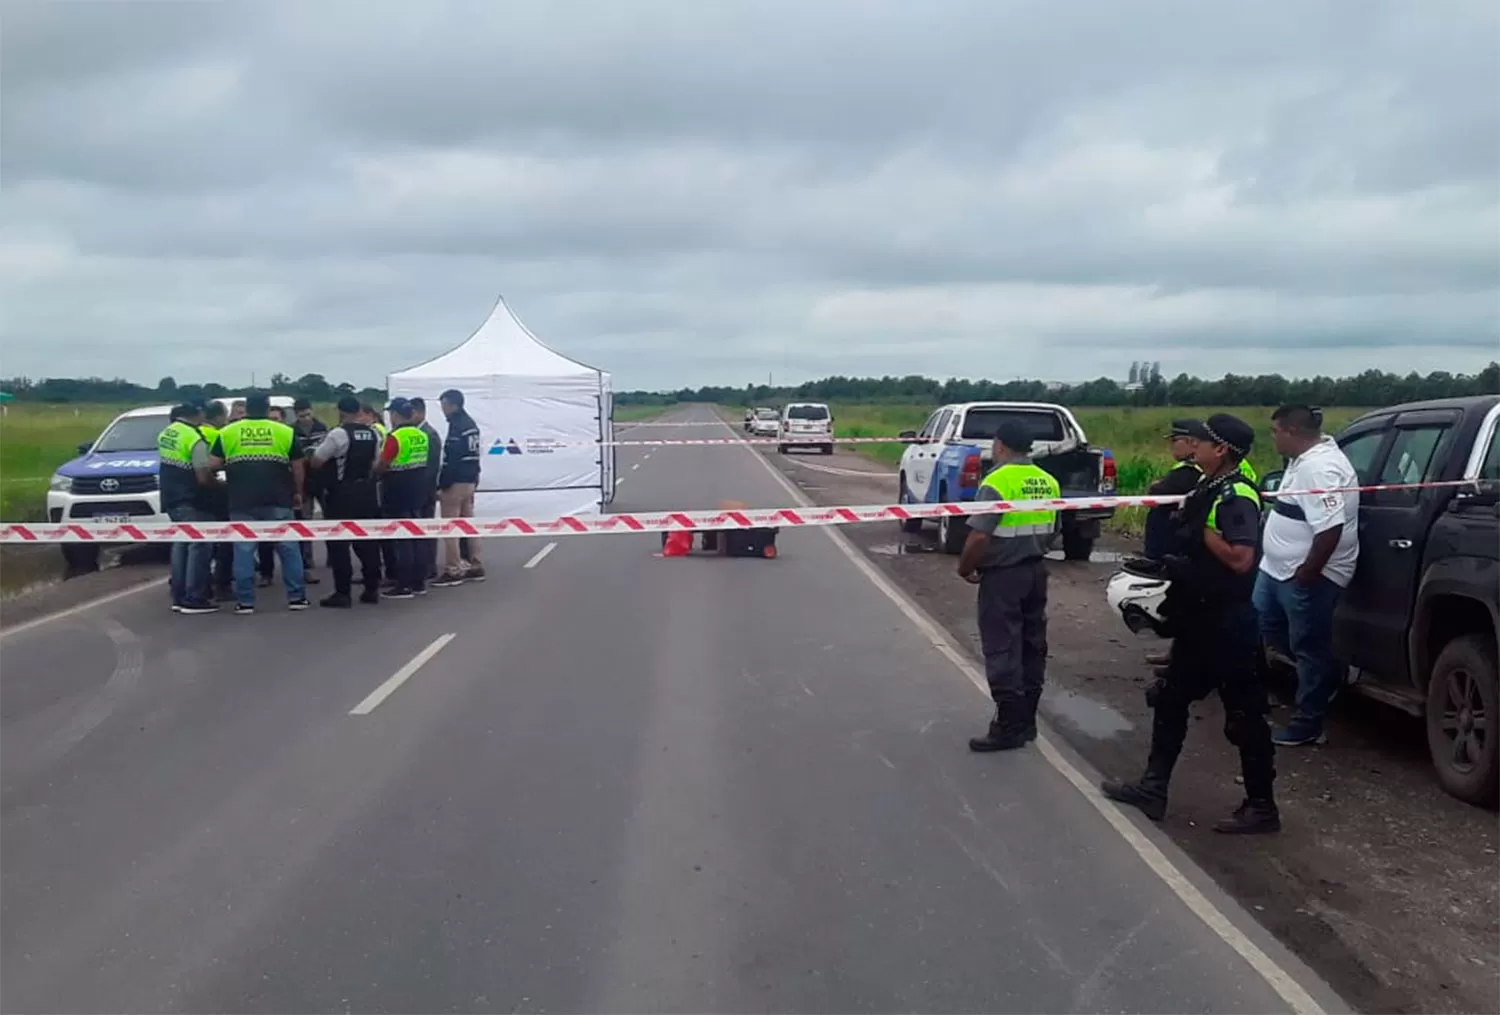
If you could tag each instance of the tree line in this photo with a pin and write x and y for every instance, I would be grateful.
(314, 387)
(1370, 388)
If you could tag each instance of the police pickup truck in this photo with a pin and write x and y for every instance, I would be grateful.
(1418, 624)
(114, 478)
(946, 459)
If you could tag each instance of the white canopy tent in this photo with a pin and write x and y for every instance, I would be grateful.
(540, 415)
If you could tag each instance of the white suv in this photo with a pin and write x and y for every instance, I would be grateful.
(806, 425)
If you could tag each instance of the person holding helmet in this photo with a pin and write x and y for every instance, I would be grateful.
(1208, 611)
(1004, 557)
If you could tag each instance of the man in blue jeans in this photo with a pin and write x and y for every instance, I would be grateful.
(263, 464)
(186, 481)
(1309, 551)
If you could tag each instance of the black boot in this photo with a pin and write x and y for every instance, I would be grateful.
(337, 601)
(1007, 732)
(371, 594)
(1148, 794)
(1033, 699)
(1252, 817)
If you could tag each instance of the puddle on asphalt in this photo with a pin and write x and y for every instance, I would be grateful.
(1089, 717)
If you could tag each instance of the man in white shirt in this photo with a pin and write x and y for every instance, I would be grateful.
(1309, 550)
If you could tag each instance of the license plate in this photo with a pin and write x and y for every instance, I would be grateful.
(112, 519)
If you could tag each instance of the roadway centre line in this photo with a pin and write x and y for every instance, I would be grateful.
(1293, 993)
(401, 676)
(541, 555)
(81, 607)
(637, 465)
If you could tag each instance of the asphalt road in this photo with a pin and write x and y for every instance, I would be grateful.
(624, 784)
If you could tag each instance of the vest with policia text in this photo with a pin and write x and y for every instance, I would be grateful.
(178, 480)
(1018, 481)
(408, 469)
(257, 463)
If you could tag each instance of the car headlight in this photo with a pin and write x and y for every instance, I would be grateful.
(60, 483)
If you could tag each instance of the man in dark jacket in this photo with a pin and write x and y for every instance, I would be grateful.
(457, 482)
(310, 432)
(429, 547)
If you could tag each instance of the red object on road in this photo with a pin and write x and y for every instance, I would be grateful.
(677, 544)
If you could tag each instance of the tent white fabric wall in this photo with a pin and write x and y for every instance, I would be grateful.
(524, 396)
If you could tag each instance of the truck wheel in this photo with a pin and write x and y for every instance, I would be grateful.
(953, 531)
(80, 558)
(827, 449)
(1461, 716)
(781, 449)
(910, 526)
(1076, 546)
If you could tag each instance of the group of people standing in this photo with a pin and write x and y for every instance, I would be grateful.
(1234, 588)
(358, 469)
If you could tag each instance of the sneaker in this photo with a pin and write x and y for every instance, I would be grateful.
(1293, 737)
(176, 607)
(298, 604)
(475, 573)
(420, 590)
(447, 579)
(337, 601)
(311, 579)
(263, 581)
(243, 609)
(400, 592)
(370, 596)
(194, 609)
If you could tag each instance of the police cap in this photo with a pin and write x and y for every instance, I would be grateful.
(1193, 428)
(1223, 428)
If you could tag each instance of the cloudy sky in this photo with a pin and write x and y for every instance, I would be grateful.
(686, 192)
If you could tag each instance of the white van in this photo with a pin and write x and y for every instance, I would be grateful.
(806, 425)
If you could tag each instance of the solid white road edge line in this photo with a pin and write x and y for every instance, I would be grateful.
(81, 607)
(401, 676)
(541, 555)
(1292, 992)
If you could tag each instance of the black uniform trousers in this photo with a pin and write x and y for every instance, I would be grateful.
(1216, 648)
(1013, 634)
(400, 500)
(353, 501)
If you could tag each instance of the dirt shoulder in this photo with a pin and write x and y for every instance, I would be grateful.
(1383, 884)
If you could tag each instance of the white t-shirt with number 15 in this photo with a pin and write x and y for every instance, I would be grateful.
(1296, 520)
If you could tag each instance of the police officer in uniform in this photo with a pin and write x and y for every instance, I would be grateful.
(1209, 613)
(1004, 557)
(265, 470)
(402, 469)
(185, 477)
(346, 461)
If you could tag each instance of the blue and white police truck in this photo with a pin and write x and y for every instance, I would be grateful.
(114, 478)
(947, 458)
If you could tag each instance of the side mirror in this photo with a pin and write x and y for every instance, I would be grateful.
(83, 448)
(909, 436)
(1271, 481)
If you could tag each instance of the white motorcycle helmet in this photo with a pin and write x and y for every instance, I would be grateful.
(1138, 599)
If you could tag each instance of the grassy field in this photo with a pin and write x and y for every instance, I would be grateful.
(36, 438)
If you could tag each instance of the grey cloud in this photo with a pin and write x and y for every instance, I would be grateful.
(689, 188)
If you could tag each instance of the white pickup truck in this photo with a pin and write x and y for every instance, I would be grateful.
(947, 458)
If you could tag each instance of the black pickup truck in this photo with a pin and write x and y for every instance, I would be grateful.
(1418, 624)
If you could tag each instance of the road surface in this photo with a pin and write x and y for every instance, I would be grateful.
(622, 784)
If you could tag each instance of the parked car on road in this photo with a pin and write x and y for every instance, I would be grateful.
(765, 423)
(114, 478)
(806, 425)
(947, 458)
(1418, 624)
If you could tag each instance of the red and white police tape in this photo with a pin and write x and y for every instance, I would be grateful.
(581, 525)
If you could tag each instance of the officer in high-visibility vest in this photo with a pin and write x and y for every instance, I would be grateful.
(265, 470)
(1209, 612)
(403, 471)
(1004, 557)
(184, 479)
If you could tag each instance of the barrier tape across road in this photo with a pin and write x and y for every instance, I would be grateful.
(582, 525)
